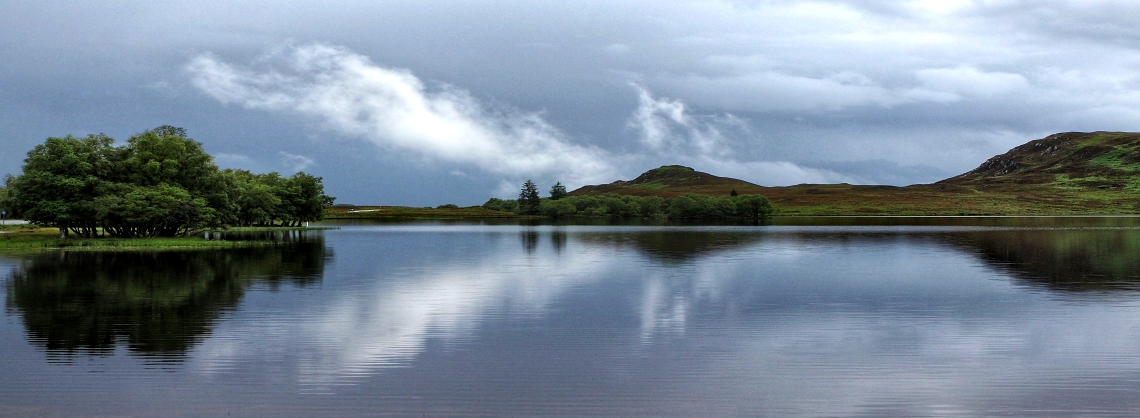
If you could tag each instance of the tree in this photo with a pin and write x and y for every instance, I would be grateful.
(752, 206)
(152, 211)
(528, 198)
(558, 209)
(61, 179)
(6, 196)
(557, 191)
(733, 193)
(255, 200)
(307, 199)
(161, 183)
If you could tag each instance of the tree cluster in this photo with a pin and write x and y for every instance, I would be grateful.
(160, 183)
(624, 206)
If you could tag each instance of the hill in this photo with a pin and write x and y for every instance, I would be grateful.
(671, 181)
(1099, 160)
(1062, 174)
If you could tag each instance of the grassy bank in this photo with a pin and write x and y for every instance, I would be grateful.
(28, 239)
(404, 212)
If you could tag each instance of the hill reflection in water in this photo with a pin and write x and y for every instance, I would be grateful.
(1058, 254)
(156, 304)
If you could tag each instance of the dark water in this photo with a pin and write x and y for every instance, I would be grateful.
(800, 317)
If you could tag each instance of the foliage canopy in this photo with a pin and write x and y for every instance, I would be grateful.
(626, 206)
(159, 184)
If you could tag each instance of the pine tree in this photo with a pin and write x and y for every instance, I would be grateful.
(528, 198)
(557, 191)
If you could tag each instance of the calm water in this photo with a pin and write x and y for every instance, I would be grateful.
(804, 317)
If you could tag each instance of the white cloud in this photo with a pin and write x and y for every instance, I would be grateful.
(775, 91)
(296, 162)
(971, 82)
(232, 160)
(709, 143)
(393, 108)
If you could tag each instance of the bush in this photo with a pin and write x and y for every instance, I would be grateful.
(683, 207)
(557, 208)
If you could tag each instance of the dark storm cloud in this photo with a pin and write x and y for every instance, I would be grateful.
(776, 92)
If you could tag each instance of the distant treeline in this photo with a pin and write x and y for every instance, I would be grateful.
(614, 205)
(160, 183)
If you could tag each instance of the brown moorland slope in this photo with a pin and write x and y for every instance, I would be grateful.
(1063, 174)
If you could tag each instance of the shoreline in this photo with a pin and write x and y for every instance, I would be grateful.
(36, 239)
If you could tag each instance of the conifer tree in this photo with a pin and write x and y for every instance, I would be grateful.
(528, 198)
(557, 191)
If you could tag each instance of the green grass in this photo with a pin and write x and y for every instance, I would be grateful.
(1115, 159)
(39, 239)
(1098, 138)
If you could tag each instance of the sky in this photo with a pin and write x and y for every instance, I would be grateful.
(424, 103)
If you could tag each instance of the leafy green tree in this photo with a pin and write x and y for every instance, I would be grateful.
(255, 201)
(161, 183)
(557, 208)
(683, 207)
(528, 198)
(5, 196)
(752, 206)
(649, 206)
(164, 210)
(61, 179)
(307, 199)
(510, 205)
(557, 191)
(493, 203)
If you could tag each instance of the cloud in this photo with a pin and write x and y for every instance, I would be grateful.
(232, 160)
(296, 162)
(777, 91)
(971, 82)
(711, 142)
(394, 109)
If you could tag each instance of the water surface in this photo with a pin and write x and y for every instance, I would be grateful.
(799, 317)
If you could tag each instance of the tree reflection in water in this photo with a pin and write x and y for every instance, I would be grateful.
(156, 304)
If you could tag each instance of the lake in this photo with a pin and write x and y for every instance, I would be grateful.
(797, 317)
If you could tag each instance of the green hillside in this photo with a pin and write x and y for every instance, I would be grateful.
(1063, 174)
(1098, 160)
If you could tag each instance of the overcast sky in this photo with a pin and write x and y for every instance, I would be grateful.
(425, 103)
